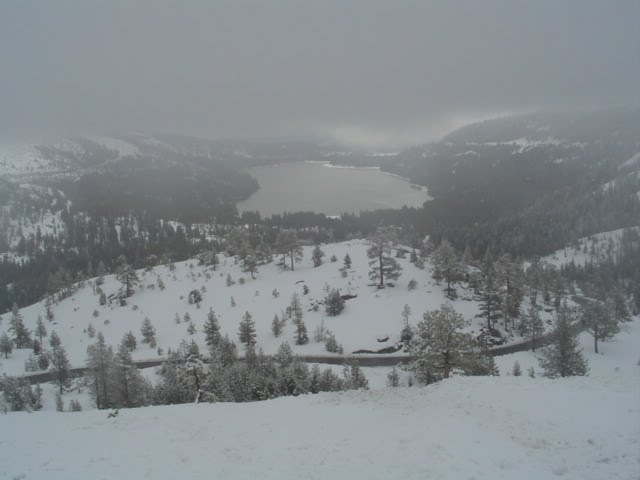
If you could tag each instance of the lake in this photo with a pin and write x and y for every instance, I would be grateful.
(321, 188)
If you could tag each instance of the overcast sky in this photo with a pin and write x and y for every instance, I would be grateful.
(368, 72)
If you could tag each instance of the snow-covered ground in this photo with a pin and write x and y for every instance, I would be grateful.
(471, 428)
(374, 314)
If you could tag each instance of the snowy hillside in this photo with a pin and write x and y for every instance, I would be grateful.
(591, 249)
(371, 316)
(466, 427)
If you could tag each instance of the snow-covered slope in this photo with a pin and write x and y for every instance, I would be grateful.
(591, 249)
(373, 314)
(482, 428)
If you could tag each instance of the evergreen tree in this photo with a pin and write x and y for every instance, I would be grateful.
(287, 243)
(600, 323)
(20, 334)
(6, 346)
(534, 326)
(212, 329)
(191, 328)
(334, 303)
(91, 331)
(516, 371)
(295, 307)
(100, 369)
(276, 326)
(59, 362)
(447, 267)
(346, 263)
(41, 330)
(129, 341)
(511, 276)
(383, 265)
(48, 308)
(354, 379)
(284, 357)
(229, 281)
(490, 299)
(393, 378)
(148, 332)
(247, 330)
(302, 337)
(129, 385)
(563, 357)
(407, 332)
(439, 345)
(316, 256)
(127, 276)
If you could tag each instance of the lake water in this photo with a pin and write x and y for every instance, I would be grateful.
(317, 187)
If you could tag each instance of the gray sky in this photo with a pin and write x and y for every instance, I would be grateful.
(367, 72)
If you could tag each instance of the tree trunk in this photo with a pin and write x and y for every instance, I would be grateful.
(381, 272)
(447, 365)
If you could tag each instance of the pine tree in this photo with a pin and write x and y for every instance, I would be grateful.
(383, 265)
(229, 281)
(334, 303)
(148, 332)
(129, 341)
(191, 328)
(393, 378)
(276, 326)
(250, 265)
(439, 346)
(127, 276)
(287, 243)
(91, 331)
(490, 299)
(302, 337)
(59, 362)
(447, 267)
(212, 329)
(41, 330)
(316, 256)
(247, 330)
(20, 334)
(48, 308)
(354, 379)
(563, 357)
(100, 367)
(6, 346)
(295, 307)
(511, 276)
(129, 385)
(516, 371)
(346, 263)
(285, 356)
(533, 325)
(407, 332)
(101, 271)
(600, 323)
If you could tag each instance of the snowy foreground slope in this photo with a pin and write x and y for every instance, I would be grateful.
(470, 428)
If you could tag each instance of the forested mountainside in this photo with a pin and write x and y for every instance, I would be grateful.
(525, 185)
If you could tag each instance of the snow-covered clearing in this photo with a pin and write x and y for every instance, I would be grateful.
(482, 428)
(372, 315)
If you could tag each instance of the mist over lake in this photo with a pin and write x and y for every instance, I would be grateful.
(330, 190)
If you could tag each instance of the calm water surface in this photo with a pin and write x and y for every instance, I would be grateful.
(319, 188)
